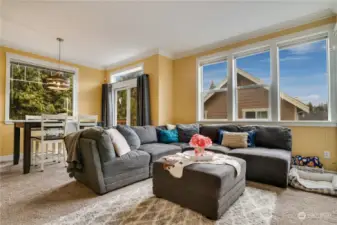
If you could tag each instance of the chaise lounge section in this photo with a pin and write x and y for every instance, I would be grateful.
(103, 171)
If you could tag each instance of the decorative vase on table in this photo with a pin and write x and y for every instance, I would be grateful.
(200, 142)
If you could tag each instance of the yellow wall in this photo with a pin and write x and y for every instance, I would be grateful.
(159, 68)
(89, 94)
(165, 90)
(307, 141)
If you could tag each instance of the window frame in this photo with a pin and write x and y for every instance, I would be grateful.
(124, 85)
(218, 60)
(242, 54)
(125, 71)
(256, 110)
(274, 92)
(10, 57)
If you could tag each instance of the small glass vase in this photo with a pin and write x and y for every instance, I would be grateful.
(199, 151)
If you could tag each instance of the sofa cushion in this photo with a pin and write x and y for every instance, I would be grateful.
(212, 131)
(273, 137)
(186, 131)
(218, 149)
(183, 146)
(265, 165)
(103, 142)
(130, 135)
(157, 150)
(146, 134)
(131, 160)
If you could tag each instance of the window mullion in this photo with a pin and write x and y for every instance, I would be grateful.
(333, 75)
(274, 99)
(231, 106)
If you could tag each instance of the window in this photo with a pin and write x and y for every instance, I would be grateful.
(126, 104)
(126, 74)
(27, 93)
(214, 94)
(124, 84)
(304, 81)
(291, 79)
(255, 113)
(253, 83)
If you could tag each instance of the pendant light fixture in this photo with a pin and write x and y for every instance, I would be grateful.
(58, 81)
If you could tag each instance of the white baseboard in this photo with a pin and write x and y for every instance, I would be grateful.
(7, 158)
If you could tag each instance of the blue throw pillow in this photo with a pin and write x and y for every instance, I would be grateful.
(168, 136)
(220, 135)
(250, 139)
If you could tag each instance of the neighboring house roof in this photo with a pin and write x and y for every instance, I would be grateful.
(299, 104)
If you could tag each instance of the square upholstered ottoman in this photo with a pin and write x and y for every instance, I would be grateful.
(205, 188)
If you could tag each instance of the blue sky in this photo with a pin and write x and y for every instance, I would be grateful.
(303, 71)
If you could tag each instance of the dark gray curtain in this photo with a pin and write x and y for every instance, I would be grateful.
(107, 105)
(143, 101)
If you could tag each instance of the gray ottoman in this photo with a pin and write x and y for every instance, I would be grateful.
(205, 188)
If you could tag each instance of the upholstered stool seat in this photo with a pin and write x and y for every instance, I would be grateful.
(208, 189)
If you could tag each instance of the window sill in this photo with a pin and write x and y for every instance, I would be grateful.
(268, 122)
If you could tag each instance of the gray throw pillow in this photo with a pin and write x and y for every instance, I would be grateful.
(103, 142)
(130, 135)
(146, 134)
(273, 137)
(186, 131)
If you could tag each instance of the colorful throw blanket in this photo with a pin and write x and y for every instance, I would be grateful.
(175, 163)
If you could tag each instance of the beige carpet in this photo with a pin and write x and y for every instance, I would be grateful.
(52, 197)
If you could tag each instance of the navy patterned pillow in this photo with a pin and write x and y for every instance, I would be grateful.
(311, 161)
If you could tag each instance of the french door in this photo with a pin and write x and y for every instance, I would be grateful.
(126, 106)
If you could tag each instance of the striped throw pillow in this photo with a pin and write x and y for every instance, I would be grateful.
(235, 140)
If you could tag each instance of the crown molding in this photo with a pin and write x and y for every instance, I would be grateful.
(8, 44)
(138, 57)
(250, 35)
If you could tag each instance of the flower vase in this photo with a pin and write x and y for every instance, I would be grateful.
(199, 151)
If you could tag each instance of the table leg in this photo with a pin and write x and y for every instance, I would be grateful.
(16, 155)
(26, 148)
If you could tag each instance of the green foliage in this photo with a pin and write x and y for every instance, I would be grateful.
(322, 107)
(30, 96)
(122, 106)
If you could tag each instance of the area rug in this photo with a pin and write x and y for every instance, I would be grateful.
(139, 206)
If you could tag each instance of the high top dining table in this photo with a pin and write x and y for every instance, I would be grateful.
(27, 126)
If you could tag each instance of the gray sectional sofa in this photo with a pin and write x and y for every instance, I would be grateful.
(103, 171)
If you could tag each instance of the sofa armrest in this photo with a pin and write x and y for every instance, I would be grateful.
(92, 174)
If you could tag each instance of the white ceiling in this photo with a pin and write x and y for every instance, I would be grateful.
(102, 33)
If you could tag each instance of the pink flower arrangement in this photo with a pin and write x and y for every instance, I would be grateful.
(200, 142)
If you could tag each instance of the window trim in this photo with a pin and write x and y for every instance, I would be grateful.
(126, 70)
(128, 103)
(42, 63)
(124, 85)
(256, 110)
(273, 44)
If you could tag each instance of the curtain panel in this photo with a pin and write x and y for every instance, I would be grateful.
(107, 105)
(143, 101)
